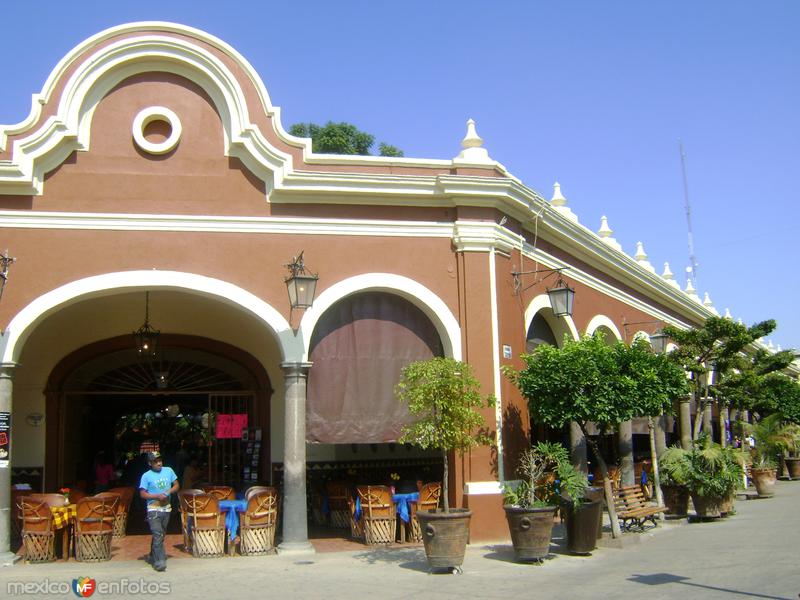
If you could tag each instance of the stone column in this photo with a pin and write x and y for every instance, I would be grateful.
(626, 453)
(6, 556)
(295, 522)
(685, 423)
(723, 421)
(659, 431)
(708, 419)
(577, 447)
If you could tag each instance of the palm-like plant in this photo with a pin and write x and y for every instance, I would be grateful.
(772, 438)
(535, 490)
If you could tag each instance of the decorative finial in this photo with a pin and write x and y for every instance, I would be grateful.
(472, 144)
(709, 304)
(605, 232)
(690, 291)
(669, 276)
(558, 198)
(559, 202)
(641, 257)
(728, 314)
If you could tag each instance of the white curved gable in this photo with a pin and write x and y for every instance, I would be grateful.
(149, 48)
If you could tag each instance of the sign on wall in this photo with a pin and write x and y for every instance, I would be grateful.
(5, 439)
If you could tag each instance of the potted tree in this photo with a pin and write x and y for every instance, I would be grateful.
(549, 481)
(773, 438)
(673, 465)
(529, 505)
(712, 476)
(444, 396)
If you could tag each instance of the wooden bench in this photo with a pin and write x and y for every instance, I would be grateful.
(633, 509)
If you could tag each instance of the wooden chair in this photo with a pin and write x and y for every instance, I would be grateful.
(16, 514)
(338, 493)
(222, 492)
(257, 524)
(126, 496)
(54, 500)
(38, 536)
(183, 507)
(356, 525)
(206, 525)
(75, 494)
(94, 527)
(120, 512)
(256, 489)
(377, 513)
(429, 495)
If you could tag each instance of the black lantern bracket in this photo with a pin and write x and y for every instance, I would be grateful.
(562, 297)
(5, 262)
(300, 284)
(658, 340)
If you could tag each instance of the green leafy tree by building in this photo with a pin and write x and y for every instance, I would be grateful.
(589, 381)
(340, 138)
(445, 397)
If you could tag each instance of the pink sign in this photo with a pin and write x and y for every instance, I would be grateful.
(230, 426)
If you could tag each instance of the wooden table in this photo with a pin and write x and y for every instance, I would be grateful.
(64, 519)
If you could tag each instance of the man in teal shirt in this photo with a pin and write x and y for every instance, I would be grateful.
(155, 487)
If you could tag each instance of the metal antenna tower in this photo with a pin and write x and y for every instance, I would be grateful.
(691, 270)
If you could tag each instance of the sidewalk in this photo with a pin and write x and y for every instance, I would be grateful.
(752, 554)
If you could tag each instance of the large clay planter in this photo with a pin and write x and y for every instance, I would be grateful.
(726, 504)
(764, 480)
(531, 529)
(676, 499)
(792, 466)
(445, 536)
(582, 524)
(707, 506)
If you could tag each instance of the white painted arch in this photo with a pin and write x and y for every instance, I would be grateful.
(25, 321)
(420, 296)
(598, 321)
(559, 325)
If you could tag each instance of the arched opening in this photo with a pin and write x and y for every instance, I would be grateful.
(358, 348)
(194, 398)
(540, 332)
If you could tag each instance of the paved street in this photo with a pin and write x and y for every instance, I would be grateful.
(753, 554)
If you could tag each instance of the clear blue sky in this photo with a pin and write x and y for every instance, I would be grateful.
(592, 94)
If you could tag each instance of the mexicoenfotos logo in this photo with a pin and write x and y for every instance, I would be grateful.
(84, 587)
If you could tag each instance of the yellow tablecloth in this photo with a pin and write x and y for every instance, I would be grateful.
(64, 515)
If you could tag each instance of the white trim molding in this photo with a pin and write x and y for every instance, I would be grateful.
(420, 296)
(598, 321)
(25, 321)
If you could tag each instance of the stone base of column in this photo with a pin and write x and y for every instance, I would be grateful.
(7, 559)
(296, 548)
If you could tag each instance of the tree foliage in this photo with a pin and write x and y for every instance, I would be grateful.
(716, 345)
(751, 381)
(340, 138)
(589, 381)
(444, 395)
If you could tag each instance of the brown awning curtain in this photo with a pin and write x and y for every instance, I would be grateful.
(358, 349)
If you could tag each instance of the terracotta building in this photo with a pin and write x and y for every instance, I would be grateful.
(154, 183)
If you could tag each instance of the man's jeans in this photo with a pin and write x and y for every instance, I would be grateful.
(158, 521)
